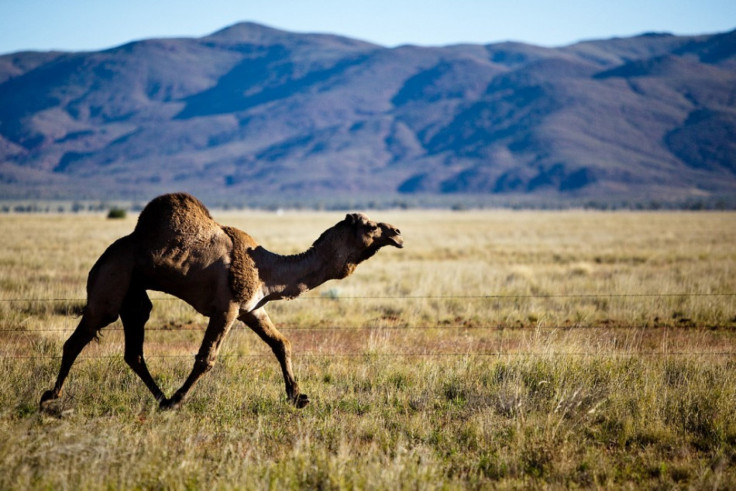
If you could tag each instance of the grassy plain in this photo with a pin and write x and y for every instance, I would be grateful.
(498, 349)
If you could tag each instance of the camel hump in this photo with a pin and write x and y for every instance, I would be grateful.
(173, 215)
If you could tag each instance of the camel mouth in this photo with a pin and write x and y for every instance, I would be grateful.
(390, 235)
(396, 241)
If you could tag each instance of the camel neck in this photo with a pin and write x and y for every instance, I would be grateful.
(290, 276)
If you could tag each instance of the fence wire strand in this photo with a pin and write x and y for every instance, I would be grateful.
(369, 355)
(434, 297)
(397, 327)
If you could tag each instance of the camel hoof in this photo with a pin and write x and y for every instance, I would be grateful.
(46, 398)
(166, 404)
(301, 401)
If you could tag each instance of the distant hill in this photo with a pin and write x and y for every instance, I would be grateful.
(252, 111)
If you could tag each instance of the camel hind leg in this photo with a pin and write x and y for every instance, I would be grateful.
(134, 314)
(107, 285)
(85, 332)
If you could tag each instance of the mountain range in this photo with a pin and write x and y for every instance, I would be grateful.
(255, 111)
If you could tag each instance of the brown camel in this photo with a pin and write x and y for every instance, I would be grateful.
(222, 272)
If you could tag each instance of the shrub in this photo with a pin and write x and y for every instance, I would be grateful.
(116, 213)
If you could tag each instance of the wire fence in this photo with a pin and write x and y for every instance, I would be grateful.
(328, 297)
(77, 302)
(373, 356)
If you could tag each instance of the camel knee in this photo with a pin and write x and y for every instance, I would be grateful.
(134, 317)
(204, 364)
(96, 317)
(79, 339)
(136, 312)
(281, 347)
(134, 360)
(286, 346)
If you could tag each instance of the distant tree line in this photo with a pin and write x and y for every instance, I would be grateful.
(448, 202)
(66, 207)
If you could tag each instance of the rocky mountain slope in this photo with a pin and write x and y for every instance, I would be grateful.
(251, 110)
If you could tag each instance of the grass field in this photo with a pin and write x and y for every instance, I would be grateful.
(497, 349)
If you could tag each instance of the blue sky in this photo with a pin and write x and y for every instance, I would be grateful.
(97, 24)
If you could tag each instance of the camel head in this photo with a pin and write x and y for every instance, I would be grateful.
(373, 235)
(356, 239)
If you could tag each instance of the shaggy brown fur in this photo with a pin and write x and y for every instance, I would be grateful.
(222, 272)
(243, 274)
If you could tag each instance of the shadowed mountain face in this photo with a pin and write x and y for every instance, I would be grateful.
(251, 110)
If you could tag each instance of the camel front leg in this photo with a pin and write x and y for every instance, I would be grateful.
(261, 324)
(217, 328)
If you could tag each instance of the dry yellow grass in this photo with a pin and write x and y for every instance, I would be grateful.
(498, 348)
(498, 269)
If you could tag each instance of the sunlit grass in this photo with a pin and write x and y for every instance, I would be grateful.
(498, 349)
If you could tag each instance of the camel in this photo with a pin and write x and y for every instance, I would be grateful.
(177, 248)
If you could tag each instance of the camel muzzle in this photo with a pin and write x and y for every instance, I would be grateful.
(394, 237)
